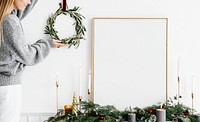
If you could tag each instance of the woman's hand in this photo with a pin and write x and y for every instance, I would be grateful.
(58, 43)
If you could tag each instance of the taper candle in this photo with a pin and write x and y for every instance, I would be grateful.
(178, 66)
(192, 84)
(161, 115)
(80, 73)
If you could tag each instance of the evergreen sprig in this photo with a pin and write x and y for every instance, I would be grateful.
(79, 27)
(92, 112)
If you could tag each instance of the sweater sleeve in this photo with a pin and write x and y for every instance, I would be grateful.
(23, 52)
(22, 14)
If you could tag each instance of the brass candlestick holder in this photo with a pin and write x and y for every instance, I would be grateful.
(88, 92)
(178, 90)
(57, 85)
(192, 95)
(80, 100)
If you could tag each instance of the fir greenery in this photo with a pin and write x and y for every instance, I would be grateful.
(92, 112)
(79, 27)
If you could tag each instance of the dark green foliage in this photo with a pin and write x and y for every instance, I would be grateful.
(92, 112)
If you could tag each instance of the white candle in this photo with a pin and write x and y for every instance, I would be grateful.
(80, 69)
(57, 84)
(161, 115)
(192, 90)
(178, 68)
(89, 82)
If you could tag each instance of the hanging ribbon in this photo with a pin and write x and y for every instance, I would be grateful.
(65, 6)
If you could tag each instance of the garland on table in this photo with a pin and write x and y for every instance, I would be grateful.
(92, 112)
(79, 27)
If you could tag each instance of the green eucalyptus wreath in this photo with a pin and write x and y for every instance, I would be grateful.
(79, 27)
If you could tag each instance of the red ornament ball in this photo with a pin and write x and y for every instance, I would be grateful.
(150, 111)
(101, 117)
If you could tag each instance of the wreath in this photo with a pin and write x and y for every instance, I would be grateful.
(79, 27)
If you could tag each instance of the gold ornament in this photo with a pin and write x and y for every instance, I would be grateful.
(75, 105)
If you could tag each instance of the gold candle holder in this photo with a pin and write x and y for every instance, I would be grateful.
(57, 85)
(80, 100)
(192, 103)
(68, 109)
(178, 90)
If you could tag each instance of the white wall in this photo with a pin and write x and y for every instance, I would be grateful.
(184, 35)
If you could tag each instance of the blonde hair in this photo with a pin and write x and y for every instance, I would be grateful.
(4, 7)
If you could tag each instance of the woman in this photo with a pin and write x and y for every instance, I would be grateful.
(16, 54)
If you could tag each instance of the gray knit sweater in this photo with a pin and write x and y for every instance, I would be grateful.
(15, 53)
